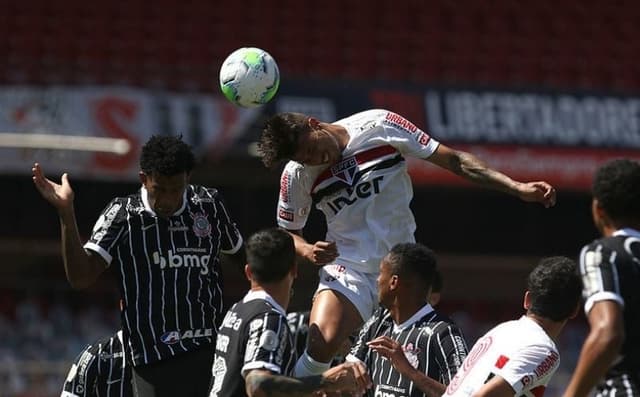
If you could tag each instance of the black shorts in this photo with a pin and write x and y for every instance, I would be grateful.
(188, 374)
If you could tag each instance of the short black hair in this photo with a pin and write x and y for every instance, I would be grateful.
(270, 254)
(616, 186)
(279, 139)
(166, 155)
(415, 261)
(438, 282)
(555, 288)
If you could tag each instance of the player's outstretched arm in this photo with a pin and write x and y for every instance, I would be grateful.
(473, 169)
(349, 378)
(600, 348)
(81, 268)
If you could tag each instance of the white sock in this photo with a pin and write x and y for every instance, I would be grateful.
(307, 366)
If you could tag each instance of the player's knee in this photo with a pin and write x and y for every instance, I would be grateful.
(323, 344)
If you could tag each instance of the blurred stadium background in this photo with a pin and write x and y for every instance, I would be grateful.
(541, 90)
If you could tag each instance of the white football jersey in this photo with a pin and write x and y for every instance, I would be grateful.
(365, 196)
(519, 351)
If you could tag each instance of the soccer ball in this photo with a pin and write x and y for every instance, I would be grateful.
(249, 77)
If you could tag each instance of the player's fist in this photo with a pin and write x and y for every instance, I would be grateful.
(322, 252)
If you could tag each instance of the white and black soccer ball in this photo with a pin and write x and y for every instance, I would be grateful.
(249, 77)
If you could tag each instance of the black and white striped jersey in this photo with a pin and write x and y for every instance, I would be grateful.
(100, 371)
(299, 327)
(254, 335)
(431, 342)
(168, 269)
(610, 270)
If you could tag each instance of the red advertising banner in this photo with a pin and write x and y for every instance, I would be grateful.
(565, 168)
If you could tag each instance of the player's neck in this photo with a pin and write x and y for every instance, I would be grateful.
(552, 328)
(278, 292)
(402, 310)
(340, 134)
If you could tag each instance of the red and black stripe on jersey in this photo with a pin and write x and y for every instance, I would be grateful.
(360, 158)
(168, 271)
(433, 344)
(100, 370)
(611, 265)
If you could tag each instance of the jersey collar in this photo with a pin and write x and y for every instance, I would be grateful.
(426, 309)
(145, 201)
(627, 232)
(262, 294)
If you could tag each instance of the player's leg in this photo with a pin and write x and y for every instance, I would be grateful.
(343, 299)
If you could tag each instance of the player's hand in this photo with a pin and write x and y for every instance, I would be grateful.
(59, 195)
(538, 192)
(350, 378)
(322, 252)
(392, 350)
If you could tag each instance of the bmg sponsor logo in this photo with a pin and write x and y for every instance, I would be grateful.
(175, 260)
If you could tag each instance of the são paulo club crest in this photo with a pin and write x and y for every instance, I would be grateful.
(201, 225)
(345, 170)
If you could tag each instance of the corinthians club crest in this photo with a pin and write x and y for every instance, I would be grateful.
(201, 225)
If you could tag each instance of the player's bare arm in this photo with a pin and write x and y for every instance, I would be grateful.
(496, 387)
(350, 378)
(600, 348)
(319, 253)
(81, 267)
(473, 169)
(392, 350)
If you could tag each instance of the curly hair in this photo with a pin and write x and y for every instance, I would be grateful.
(279, 139)
(616, 186)
(555, 288)
(166, 155)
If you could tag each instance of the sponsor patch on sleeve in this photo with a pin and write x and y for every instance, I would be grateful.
(269, 340)
(285, 214)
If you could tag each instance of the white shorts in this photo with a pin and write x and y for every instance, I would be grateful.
(361, 289)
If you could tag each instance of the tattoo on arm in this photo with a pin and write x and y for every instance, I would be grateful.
(264, 383)
(473, 169)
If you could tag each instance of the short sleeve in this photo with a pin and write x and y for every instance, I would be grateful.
(108, 229)
(268, 344)
(599, 275)
(230, 236)
(452, 350)
(531, 367)
(82, 375)
(407, 137)
(294, 200)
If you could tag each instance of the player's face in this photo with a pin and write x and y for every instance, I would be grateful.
(165, 193)
(317, 147)
(384, 280)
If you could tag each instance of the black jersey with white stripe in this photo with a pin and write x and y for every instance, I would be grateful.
(610, 270)
(168, 269)
(432, 343)
(100, 371)
(299, 327)
(254, 335)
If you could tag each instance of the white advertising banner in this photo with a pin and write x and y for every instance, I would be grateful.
(209, 124)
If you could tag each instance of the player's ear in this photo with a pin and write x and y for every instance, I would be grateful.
(527, 300)
(143, 177)
(575, 311)
(313, 123)
(247, 272)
